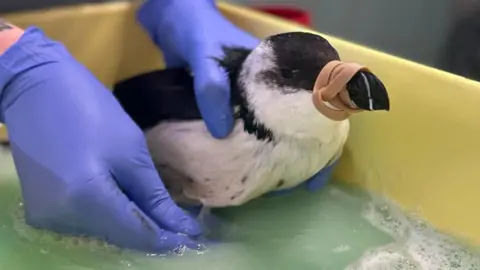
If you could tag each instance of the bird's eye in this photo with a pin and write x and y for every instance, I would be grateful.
(287, 73)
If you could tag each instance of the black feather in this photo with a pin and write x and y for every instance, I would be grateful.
(168, 95)
(158, 96)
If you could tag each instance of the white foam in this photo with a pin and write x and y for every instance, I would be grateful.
(416, 246)
(47, 237)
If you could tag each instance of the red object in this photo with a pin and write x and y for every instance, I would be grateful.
(297, 15)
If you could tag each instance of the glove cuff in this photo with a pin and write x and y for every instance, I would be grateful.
(33, 49)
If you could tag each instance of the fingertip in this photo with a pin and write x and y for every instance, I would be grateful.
(321, 178)
(175, 219)
(145, 235)
(212, 90)
(196, 245)
(190, 226)
(176, 243)
(143, 186)
(220, 128)
(193, 211)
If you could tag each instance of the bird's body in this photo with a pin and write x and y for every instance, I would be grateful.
(280, 139)
(239, 168)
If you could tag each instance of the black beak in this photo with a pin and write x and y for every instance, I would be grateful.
(368, 92)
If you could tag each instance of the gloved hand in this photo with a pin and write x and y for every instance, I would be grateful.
(190, 33)
(316, 182)
(321, 178)
(83, 164)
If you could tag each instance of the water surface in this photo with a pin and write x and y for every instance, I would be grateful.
(336, 228)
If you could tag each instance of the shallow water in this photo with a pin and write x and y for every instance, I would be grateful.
(337, 228)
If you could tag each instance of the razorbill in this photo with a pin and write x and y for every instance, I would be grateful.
(292, 97)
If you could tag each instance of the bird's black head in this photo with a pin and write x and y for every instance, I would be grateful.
(299, 57)
(276, 80)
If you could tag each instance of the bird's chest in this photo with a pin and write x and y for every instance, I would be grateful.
(288, 163)
(232, 171)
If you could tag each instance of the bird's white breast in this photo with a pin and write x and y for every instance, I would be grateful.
(196, 167)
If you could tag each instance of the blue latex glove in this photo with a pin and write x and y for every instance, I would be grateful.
(83, 164)
(190, 33)
(316, 182)
(321, 179)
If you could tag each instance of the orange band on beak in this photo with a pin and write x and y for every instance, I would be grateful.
(331, 87)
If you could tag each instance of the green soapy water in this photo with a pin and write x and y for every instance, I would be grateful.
(336, 228)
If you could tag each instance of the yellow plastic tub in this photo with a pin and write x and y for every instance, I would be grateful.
(424, 154)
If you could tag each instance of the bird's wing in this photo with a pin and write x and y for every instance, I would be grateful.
(158, 96)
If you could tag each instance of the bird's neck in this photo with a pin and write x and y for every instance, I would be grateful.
(232, 62)
(251, 124)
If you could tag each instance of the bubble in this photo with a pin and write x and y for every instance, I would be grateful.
(417, 244)
(180, 250)
(126, 263)
(384, 259)
(48, 238)
(341, 248)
